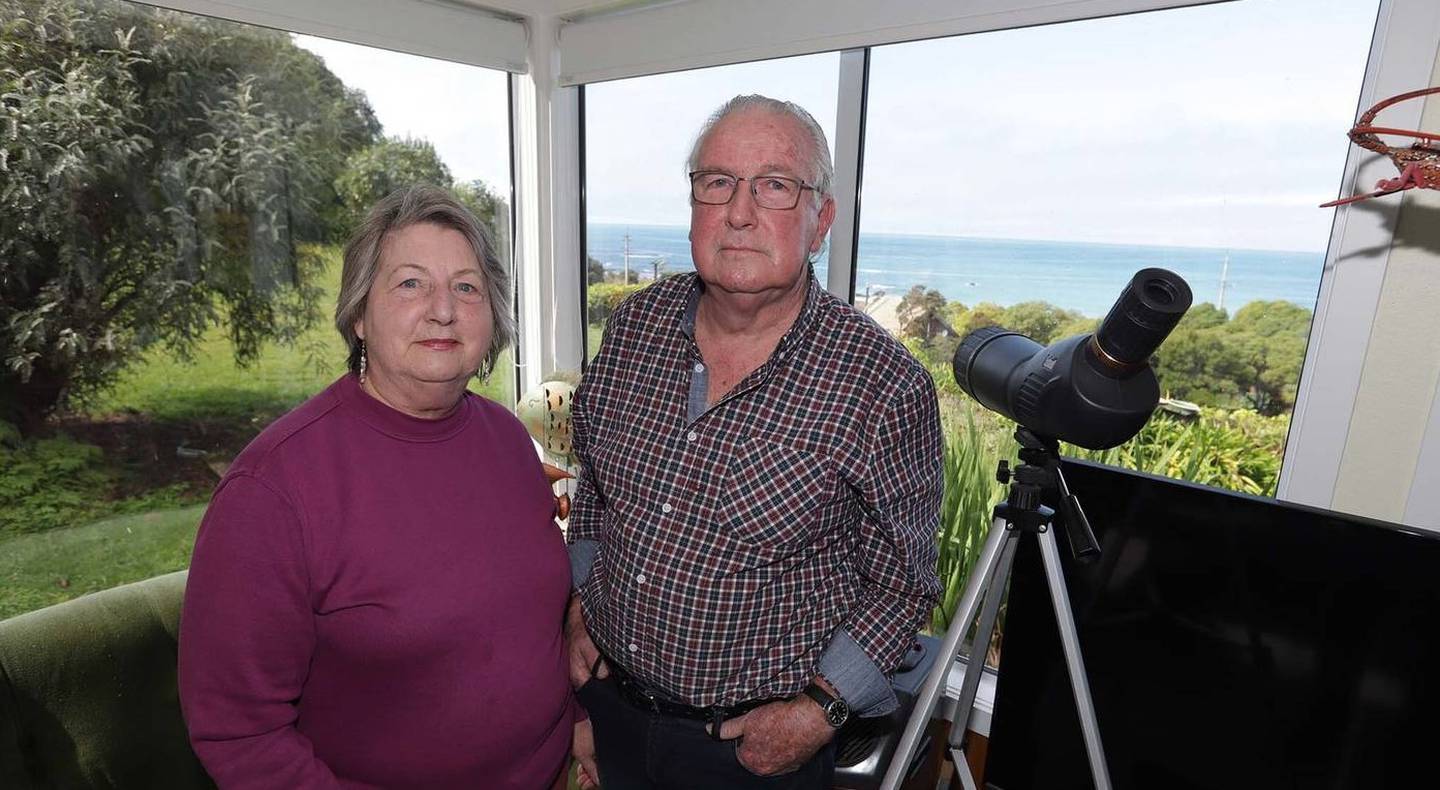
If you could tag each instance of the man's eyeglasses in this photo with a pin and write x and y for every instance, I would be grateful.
(713, 188)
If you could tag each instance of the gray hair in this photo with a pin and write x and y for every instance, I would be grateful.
(822, 171)
(398, 210)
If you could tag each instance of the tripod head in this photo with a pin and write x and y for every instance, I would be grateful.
(1038, 473)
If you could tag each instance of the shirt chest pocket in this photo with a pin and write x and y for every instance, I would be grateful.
(773, 497)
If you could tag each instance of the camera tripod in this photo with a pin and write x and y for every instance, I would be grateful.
(1021, 514)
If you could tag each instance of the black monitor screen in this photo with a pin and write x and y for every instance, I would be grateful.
(1230, 642)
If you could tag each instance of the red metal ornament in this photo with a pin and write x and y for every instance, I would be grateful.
(1418, 163)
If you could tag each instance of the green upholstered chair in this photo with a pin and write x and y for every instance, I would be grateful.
(88, 695)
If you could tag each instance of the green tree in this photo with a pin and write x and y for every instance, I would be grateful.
(1079, 325)
(1269, 350)
(594, 271)
(159, 172)
(921, 312)
(1196, 362)
(981, 315)
(390, 163)
(1252, 360)
(1039, 321)
(491, 209)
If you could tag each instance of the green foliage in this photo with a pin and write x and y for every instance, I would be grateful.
(1039, 321)
(395, 162)
(921, 313)
(980, 316)
(602, 298)
(594, 271)
(1239, 450)
(160, 172)
(971, 493)
(372, 173)
(1252, 360)
(491, 209)
(49, 483)
(1270, 350)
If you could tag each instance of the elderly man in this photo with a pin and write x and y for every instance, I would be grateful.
(752, 540)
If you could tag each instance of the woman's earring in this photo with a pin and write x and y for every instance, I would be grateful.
(362, 361)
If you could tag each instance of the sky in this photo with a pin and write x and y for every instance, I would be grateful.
(461, 109)
(1217, 126)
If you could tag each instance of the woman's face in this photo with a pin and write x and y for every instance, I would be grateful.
(427, 319)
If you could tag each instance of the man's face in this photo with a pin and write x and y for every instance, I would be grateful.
(740, 247)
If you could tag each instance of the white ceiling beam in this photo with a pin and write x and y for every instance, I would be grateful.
(703, 33)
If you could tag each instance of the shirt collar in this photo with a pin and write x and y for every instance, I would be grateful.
(691, 304)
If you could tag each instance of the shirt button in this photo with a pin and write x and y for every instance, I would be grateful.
(692, 436)
(640, 578)
(699, 367)
(665, 508)
(634, 648)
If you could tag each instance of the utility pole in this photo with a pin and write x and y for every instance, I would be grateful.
(1224, 276)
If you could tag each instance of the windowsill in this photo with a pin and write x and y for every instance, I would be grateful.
(984, 698)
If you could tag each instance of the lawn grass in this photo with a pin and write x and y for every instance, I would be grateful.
(44, 569)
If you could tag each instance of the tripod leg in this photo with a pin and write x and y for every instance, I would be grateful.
(934, 687)
(984, 629)
(962, 769)
(1069, 639)
(975, 664)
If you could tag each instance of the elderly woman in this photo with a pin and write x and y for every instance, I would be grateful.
(377, 590)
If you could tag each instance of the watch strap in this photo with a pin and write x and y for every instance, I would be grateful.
(832, 705)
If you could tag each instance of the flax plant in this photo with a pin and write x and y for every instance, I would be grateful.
(972, 448)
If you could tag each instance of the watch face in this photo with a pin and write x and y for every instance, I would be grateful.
(837, 712)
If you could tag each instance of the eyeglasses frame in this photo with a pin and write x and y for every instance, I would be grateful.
(753, 194)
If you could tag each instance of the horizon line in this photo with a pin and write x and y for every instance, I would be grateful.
(1011, 238)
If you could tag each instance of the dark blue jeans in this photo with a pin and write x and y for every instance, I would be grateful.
(639, 750)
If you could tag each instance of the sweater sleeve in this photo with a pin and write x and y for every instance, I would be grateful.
(247, 634)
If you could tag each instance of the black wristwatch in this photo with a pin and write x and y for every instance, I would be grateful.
(836, 711)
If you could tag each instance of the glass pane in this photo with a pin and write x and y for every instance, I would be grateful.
(1020, 178)
(177, 190)
(637, 200)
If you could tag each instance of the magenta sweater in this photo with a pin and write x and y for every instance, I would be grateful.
(377, 601)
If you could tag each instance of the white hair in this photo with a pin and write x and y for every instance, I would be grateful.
(822, 171)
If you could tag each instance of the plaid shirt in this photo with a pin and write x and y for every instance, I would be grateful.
(737, 540)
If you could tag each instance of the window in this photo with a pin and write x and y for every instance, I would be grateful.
(638, 134)
(177, 189)
(1049, 164)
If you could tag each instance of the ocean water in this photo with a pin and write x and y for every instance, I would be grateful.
(1073, 275)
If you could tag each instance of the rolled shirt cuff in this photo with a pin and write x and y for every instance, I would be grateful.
(860, 683)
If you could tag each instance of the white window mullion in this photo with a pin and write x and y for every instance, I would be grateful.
(547, 249)
(849, 153)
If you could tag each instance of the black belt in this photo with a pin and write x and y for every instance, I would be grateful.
(635, 692)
